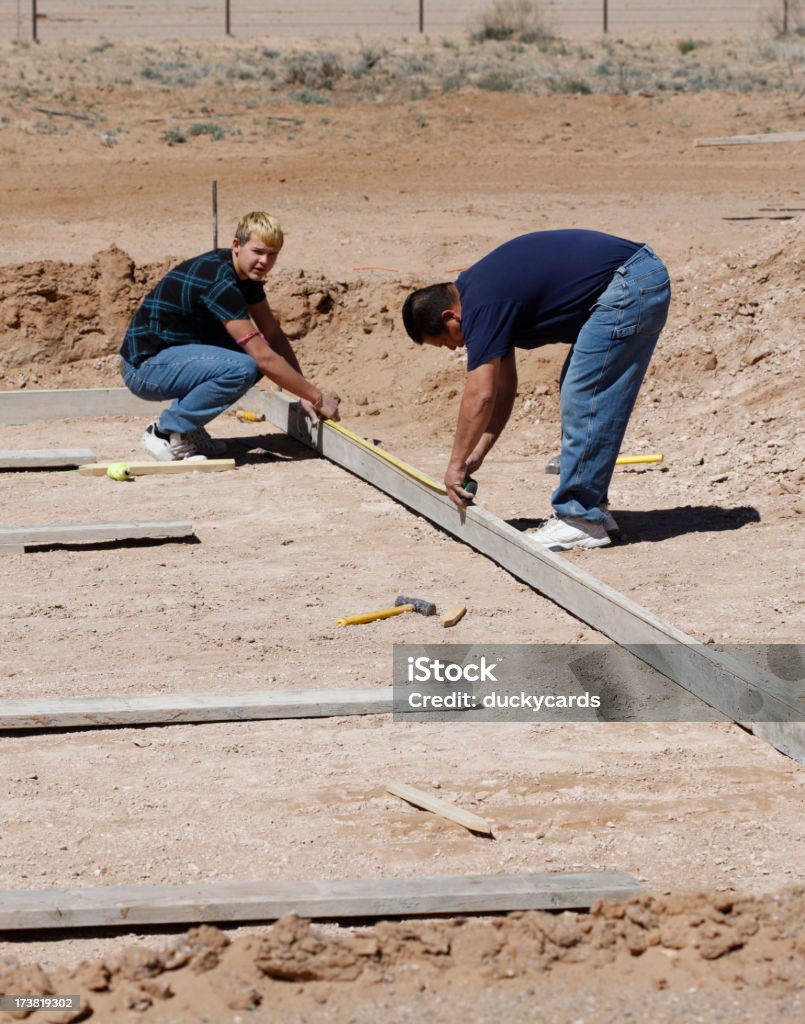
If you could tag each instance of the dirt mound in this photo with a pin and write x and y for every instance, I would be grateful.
(732, 338)
(755, 942)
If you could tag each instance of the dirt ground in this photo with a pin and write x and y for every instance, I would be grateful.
(377, 192)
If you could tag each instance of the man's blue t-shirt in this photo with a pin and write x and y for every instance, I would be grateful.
(536, 289)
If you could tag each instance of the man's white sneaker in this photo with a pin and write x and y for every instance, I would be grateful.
(609, 521)
(563, 534)
(204, 444)
(173, 448)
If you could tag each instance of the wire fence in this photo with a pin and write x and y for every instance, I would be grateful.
(63, 20)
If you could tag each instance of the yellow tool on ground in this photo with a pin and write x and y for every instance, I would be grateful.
(402, 604)
(622, 460)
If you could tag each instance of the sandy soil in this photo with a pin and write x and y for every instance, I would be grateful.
(713, 541)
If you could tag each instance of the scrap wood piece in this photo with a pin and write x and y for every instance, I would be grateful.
(149, 468)
(746, 140)
(93, 533)
(443, 808)
(453, 615)
(55, 458)
(730, 685)
(175, 708)
(128, 905)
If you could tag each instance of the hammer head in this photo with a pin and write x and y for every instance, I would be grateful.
(420, 606)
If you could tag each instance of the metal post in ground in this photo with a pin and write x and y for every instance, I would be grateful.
(34, 18)
(215, 213)
(421, 15)
(606, 16)
(228, 16)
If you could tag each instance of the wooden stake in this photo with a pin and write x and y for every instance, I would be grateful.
(441, 807)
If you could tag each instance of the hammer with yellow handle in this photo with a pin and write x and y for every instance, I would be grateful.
(402, 604)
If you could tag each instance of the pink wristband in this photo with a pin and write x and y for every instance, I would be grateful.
(242, 341)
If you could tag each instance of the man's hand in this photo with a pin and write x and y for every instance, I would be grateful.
(453, 481)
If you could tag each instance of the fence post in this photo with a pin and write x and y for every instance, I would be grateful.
(785, 17)
(606, 16)
(228, 17)
(421, 15)
(34, 19)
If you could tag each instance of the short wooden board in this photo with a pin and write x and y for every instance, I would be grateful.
(58, 458)
(153, 468)
(167, 709)
(748, 140)
(130, 905)
(93, 533)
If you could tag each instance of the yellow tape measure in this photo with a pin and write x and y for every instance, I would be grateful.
(388, 458)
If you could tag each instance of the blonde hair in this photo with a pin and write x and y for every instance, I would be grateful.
(264, 225)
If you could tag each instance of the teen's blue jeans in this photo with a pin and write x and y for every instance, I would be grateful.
(205, 380)
(601, 378)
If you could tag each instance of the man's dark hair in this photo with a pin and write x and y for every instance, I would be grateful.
(422, 311)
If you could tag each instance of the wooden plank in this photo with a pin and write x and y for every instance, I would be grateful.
(729, 684)
(73, 403)
(748, 140)
(94, 533)
(155, 468)
(435, 805)
(129, 905)
(44, 459)
(174, 708)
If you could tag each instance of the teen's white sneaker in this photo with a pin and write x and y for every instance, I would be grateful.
(567, 532)
(171, 449)
(205, 444)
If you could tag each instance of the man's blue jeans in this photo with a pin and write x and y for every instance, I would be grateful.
(601, 378)
(205, 380)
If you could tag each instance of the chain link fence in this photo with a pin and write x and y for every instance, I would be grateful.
(62, 20)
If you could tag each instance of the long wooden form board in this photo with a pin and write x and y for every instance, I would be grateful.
(167, 709)
(57, 458)
(15, 537)
(72, 403)
(733, 686)
(127, 905)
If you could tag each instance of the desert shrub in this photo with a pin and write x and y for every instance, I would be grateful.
(368, 58)
(575, 85)
(174, 136)
(510, 19)
(308, 97)
(207, 128)
(496, 81)
(688, 45)
(452, 83)
(313, 70)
